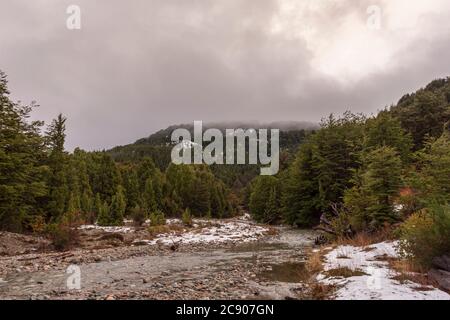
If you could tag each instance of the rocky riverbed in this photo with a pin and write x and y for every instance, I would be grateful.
(224, 260)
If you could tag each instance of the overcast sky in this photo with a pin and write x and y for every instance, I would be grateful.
(140, 65)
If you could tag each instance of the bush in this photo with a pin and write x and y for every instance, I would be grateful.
(138, 216)
(64, 234)
(157, 218)
(38, 225)
(186, 218)
(426, 235)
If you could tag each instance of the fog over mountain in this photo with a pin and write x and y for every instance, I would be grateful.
(138, 66)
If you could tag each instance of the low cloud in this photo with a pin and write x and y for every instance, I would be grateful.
(138, 66)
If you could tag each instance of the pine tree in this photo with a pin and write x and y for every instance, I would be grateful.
(118, 207)
(74, 204)
(336, 155)
(187, 218)
(148, 197)
(22, 187)
(201, 201)
(107, 177)
(98, 205)
(434, 165)
(147, 170)
(104, 215)
(265, 187)
(300, 199)
(378, 182)
(385, 130)
(59, 192)
(132, 188)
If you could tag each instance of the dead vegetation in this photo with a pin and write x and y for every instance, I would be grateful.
(365, 239)
(314, 266)
(344, 272)
(408, 271)
(320, 291)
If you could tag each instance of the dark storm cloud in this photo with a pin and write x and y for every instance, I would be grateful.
(138, 66)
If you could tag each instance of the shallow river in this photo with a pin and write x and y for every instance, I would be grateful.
(267, 269)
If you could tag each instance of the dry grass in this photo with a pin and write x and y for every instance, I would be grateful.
(409, 271)
(344, 272)
(365, 239)
(314, 264)
(320, 291)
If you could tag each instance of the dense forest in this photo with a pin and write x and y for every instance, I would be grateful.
(368, 174)
(42, 185)
(353, 174)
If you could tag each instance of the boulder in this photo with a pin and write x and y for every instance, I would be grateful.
(442, 263)
(441, 277)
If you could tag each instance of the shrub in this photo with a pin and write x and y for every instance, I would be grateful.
(157, 218)
(64, 234)
(38, 225)
(426, 235)
(138, 216)
(186, 218)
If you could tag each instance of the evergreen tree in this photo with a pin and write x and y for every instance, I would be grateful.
(132, 188)
(336, 156)
(106, 178)
(434, 166)
(201, 203)
(22, 187)
(377, 184)
(74, 204)
(148, 197)
(59, 192)
(118, 207)
(264, 188)
(98, 204)
(300, 200)
(424, 113)
(385, 130)
(104, 214)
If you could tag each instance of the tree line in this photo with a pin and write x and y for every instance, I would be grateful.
(43, 184)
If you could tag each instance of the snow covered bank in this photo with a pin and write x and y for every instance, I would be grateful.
(214, 231)
(107, 229)
(374, 279)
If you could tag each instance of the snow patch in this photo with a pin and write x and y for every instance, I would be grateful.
(106, 229)
(218, 232)
(377, 283)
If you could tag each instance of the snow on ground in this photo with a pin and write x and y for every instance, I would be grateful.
(377, 283)
(215, 231)
(107, 229)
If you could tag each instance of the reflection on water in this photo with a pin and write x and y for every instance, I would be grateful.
(290, 272)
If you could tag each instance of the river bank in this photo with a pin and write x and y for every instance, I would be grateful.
(234, 259)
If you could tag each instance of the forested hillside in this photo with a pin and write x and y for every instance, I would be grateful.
(158, 147)
(365, 174)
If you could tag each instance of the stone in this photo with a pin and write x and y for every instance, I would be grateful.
(441, 277)
(442, 263)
